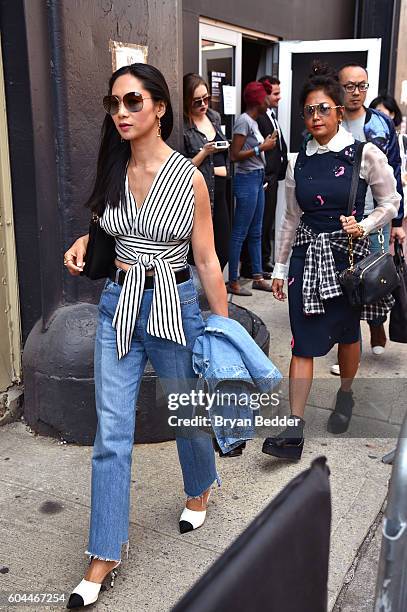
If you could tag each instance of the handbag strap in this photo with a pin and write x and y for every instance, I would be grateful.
(355, 178)
(352, 194)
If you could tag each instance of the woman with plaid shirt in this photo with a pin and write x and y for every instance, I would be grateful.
(315, 224)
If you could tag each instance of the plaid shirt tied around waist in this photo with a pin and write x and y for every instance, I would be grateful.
(320, 279)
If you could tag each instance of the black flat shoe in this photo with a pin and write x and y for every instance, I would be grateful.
(235, 452)
(284, 448)
(339, 419)
(288, 444)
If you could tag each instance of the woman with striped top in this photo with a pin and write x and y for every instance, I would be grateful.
(155, 203)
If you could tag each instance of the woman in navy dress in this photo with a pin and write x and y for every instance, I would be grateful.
(316, 226)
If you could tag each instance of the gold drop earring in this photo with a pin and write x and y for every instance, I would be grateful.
(159, 128)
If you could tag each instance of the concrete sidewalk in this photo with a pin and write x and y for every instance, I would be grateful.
(45, 488)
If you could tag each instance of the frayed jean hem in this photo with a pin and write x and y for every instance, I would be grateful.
(93, 556)
(218, 480)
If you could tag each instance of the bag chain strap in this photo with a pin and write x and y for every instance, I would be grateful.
(351, 260)
(380, 238)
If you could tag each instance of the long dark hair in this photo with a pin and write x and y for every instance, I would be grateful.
(190, 82)
(390, 103)
(324, 78)
(113, 153)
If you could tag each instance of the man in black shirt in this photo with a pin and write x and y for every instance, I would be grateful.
(276, 165)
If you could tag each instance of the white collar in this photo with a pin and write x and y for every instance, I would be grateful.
(342, 139)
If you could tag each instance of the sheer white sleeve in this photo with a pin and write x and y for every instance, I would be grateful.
(379, 175)
(289, 224)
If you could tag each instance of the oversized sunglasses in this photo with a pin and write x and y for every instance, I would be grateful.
(323, 110)
(351, 87)
(201, 101)
(133, 102)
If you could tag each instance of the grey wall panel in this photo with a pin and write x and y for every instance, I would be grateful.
(87, 28)
(296, 19)
(190, 25)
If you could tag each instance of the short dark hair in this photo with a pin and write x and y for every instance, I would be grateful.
(273, 80)
(352, 65)
(324, 78)
(390, 103)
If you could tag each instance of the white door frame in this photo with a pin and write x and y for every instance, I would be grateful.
(288, 48)
(227, 37)
(285, 108)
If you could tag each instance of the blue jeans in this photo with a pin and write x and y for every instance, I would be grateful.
(247, 221)
(117, 384)
(375, 247)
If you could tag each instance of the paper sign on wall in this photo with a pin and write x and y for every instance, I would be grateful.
(124, 54)
(229, 99)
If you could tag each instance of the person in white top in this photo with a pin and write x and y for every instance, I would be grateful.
(317, 226)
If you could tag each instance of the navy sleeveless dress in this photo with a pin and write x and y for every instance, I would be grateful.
(322, 191)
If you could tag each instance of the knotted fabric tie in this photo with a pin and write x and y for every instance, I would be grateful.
(165, 299)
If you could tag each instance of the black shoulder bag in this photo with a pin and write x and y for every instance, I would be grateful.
(375, 276)
(398, 316)
(100, 253)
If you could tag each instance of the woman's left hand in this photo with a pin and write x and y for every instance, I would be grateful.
(350, 226)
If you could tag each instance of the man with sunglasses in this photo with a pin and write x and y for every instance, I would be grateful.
(370, 125)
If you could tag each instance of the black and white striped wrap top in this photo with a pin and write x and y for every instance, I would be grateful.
(155, 236)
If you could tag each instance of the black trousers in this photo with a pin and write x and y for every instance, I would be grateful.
(268, 229)
(221, 223)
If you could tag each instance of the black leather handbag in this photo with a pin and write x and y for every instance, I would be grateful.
(375, 276)
(100, 253)
(398, 316)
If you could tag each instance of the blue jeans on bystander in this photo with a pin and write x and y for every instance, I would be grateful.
(247, 221)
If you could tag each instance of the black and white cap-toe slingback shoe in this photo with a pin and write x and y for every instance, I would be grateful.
(192, 519)
(87, 592)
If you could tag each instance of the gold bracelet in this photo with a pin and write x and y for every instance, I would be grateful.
(361, 229)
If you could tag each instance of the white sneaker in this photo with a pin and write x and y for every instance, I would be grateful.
(377, 350)
(335, 369)
(377, 339)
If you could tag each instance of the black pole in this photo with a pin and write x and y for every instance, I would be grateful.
(66, 208)
(45, 159)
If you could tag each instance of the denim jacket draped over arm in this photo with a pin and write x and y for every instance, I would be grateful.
(230, 363)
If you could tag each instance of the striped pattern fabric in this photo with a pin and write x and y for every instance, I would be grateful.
(156, 237)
